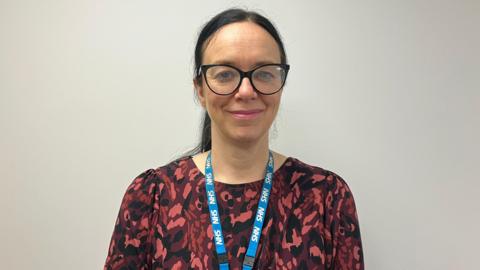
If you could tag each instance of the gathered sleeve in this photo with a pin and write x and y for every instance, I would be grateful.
(347, 243)
(131, 245)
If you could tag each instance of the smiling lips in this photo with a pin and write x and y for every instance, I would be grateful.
(246, 114)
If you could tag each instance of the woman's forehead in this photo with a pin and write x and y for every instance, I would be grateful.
(241, 42)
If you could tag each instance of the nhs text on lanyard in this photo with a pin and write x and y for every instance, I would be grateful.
(257, 225)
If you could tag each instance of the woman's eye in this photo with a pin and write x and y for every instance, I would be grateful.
(264, 76)
(224, 76)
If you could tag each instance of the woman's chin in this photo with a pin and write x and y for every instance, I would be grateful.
(248, 137)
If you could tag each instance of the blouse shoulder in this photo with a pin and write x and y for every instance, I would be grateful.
(149, 183)
(309, 176)
(132, 241)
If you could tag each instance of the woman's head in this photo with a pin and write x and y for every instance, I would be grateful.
(243, 41)
(232, 16)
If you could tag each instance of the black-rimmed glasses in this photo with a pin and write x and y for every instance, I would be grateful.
(225, 79)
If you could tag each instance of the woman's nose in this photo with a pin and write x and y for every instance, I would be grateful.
(246, 89)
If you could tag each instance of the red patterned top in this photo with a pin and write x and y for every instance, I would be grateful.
(163, 223)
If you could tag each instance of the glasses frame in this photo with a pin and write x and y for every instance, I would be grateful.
(248, 74)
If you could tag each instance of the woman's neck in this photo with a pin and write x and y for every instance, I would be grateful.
(236, 162)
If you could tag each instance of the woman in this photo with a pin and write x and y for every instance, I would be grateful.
(236, 203)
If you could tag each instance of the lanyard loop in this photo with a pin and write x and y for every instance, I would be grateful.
(258, 222)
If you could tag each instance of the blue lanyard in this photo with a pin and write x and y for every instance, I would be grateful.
(257, 225)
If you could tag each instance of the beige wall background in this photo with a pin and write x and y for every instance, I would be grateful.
(385, 93)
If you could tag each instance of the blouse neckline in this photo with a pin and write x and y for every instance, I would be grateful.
(256, 182)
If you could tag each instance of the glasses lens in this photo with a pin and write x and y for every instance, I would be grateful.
(222, 79)
(269, 79)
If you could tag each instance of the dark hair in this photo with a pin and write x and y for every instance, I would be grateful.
(227, 17)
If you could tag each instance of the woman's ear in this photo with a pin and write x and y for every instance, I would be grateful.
(197, 83)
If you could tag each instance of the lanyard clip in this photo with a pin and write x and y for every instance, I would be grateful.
(222, 258)
(248, 261)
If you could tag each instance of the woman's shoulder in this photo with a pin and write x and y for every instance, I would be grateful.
(153, 180)
(309, 183)
(307, 176)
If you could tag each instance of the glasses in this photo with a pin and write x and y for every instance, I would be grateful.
(225, 79)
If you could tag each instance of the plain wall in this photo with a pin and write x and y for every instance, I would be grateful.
(384, 93)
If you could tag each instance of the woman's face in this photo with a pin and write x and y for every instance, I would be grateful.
(244, 116)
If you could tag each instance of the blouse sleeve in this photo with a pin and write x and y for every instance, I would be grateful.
(131, 245)
(347, 244)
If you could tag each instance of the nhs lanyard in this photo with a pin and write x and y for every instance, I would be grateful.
(257, 225)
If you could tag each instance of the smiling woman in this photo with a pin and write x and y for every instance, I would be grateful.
(234, 203)
(241, 114)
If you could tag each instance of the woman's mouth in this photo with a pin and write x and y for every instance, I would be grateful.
(246, 114)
